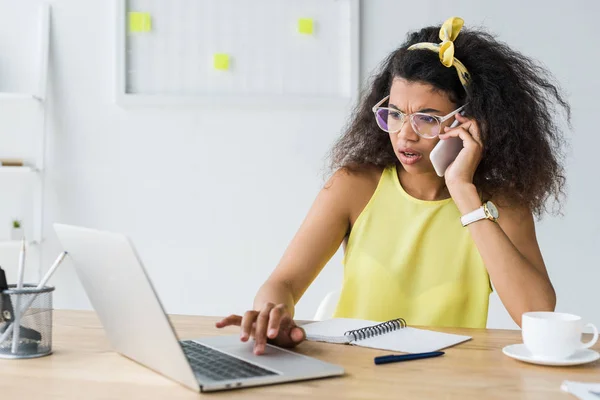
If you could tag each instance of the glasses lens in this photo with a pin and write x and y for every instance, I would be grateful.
(426, 125)
(388, 120)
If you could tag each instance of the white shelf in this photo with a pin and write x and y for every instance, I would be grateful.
(34, 96)
(25, 169)
(17, 96)
(42, 55)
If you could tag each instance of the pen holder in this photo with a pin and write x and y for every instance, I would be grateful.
(35, 322)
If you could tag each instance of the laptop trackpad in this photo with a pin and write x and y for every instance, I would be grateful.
(276, 359)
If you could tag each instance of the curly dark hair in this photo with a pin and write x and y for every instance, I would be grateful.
(514, 99)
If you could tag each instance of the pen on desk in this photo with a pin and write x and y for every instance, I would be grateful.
(17, 317)
(406, 357)
(40, 285)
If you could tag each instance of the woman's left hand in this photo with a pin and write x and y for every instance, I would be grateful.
(463, 168)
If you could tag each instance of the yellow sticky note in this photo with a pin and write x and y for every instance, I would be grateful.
(140, 22)
(306, 26)
(221, 62)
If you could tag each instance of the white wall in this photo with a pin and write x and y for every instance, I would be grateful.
(211, 209)
(209, 206)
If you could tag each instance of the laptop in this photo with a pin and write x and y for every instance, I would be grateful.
(137, 326)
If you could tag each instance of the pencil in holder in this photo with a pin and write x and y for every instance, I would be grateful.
(26, 322)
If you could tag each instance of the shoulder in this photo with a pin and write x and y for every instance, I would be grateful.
(354, 179)
(353, 187)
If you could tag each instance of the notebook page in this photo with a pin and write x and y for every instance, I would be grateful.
(582, 390)
(412, 340)
(332, 330)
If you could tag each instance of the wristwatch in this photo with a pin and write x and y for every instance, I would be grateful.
(487, 211)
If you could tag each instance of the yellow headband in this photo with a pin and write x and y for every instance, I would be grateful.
(448, 33)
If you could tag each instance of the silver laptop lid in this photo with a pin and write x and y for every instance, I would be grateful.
(123, 296)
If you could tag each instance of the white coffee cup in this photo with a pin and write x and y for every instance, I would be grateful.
(553, 335)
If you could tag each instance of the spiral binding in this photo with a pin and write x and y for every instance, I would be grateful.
(376, 330)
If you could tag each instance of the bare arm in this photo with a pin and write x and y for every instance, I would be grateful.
(317, 240)
(509, 249)
(511, 255)
(319, 237)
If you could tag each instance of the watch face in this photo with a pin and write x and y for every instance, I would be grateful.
(492, 209)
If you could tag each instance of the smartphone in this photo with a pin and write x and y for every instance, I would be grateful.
(445, 152)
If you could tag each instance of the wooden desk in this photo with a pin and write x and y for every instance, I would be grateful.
(84, 367)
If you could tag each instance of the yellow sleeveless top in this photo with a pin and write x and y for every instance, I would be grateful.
(413, 259)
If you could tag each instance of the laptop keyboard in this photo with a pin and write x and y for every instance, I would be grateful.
(219, 366)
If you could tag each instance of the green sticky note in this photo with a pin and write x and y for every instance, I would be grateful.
(140, 22)
(306, 26)
(221, 62)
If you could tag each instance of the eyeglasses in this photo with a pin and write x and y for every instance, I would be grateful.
(428, 126)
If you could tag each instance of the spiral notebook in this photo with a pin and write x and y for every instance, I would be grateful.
(393, 335)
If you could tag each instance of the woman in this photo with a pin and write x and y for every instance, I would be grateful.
(419, 246)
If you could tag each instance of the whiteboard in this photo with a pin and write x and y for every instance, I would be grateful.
(237, 51)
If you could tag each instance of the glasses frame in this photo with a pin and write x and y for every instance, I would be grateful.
(439, 119)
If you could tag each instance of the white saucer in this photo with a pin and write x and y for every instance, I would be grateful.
(520, 352)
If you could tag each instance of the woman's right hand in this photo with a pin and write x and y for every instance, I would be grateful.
(272, 323)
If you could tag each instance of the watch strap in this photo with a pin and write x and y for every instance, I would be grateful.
(473, 216)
